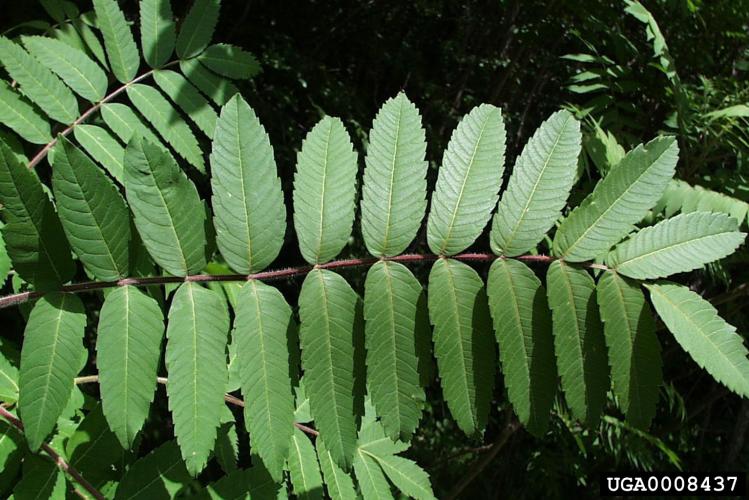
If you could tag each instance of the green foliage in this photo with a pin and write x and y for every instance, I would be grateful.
(249, 212)
(51, 357)
(128, 348)
(324, 191)
(522, 324)
(335, 405)
(197, 332)
(327, 309)
(468, 183)
(395, 160)
(463, 343)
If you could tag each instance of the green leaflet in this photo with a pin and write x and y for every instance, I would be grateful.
(33, 235)
(230, 61)
(21, 117)
(159, 475)
(94, 448)
(538, 187)
(38, 83)
(118, 40)
(167, 122)
(394, 189)
(372, 482)
(338, 483)
(254, 482)
(226, 449)
(522, 324)
(168, 212)
(682, 197)
(189, 100)
(197, 331)
(407, 476)
(91, 40)
(468, 182)
(327, 308)
(463, 344)
(578, 340)
(248, 203)
(125, 123)
(712, 343)
(4, 260)
(686, 242)
(304, 471)
(218, 89)
(92, 212)
(128, 347)
(41, 479)
(157, 31)
(634, 351)
(390, 310)
(618, 202)
(197, 28)
(263, 320)
(8, 381)
(50, 359)
(73, 66)
(324, 191)
(376, 454)
(104, 148)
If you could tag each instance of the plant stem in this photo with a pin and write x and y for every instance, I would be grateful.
(94, 379)
(56, 458)
(291, 272)
(93, 109)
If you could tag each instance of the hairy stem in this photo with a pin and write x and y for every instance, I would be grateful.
(291, 272)
(93, 109)
(94, 379)
(56, 458)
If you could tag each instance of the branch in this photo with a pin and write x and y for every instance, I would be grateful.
(94, 379)
(93, 109)
(56, 458)
(291, 272)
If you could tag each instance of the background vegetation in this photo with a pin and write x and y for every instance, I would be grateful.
(620, 74)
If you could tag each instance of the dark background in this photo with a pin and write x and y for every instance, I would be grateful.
(346, 58)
